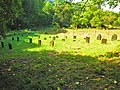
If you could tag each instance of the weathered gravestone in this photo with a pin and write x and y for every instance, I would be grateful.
(104, 41)
(18, 39)
(38, 36)
(114, 37)
(74, 37)
(49, 36)
(63, 39)
(10, 46)
(87, 39)
(12, 38)
(56, 36)
(45, 38)
(52, 43)
(39, 42)
(53, 38)
(0, 37)
(99, 37)
(74, 40)
(2, 44)
(30, 40)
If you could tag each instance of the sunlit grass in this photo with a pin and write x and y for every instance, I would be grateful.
(68, 65)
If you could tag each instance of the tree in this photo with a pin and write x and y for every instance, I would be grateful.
(9, 10)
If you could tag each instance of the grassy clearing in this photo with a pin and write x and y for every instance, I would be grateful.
(66, 66)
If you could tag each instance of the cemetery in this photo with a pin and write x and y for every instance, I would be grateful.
(59, 44)
(33, 52)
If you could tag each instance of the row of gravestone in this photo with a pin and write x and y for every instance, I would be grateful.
(9, 45)
(114, 37)
(99, 37)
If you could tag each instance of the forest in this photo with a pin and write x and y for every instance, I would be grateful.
(20, 14)
(59, 45)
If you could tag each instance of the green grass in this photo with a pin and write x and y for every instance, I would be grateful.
(66, 66)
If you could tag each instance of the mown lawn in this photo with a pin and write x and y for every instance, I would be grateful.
(68, 65)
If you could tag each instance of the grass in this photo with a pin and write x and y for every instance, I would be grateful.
(66, 66)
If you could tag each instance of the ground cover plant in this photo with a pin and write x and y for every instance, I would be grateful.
(71, 64)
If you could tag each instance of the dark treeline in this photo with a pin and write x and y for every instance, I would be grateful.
(20, 14)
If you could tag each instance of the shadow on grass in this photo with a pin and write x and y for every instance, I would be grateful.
(51, 70)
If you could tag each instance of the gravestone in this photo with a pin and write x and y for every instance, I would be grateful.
(45, 38)
(52, 43)
(10, 46)
(63, 39)
(56, 36)
(0, 37)
(30, 40)
(2, 44)
(12, 38)
(18, 39)
(74, 37)
(74, 40)
(87, 39)
(39, 42)
(99, 37)
(114, 37)
(104, 41)
(53, 38)
(49, 36)
(38, 36)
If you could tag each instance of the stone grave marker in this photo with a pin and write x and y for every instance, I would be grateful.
(63, 39)
(18, 39)
(74, 37)
(38, 36)
(2, 44)
(104, 41)
(52, 43)
(49, 36)
(114, 37)
(12, 38)
(10, 46)
(56, 36)
(30, 40)
(45, 38)
(53, 38)
(39, 42)
(74, 40)
(87, 39)
(99, 37)
(0, 37)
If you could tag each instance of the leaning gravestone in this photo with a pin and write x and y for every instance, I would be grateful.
(39, 42)
(2, 44)
(104, 41)
(87, 39)
(30, 40)
(99, 37)
(114, 37)
(10, 46)
(52, 43)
